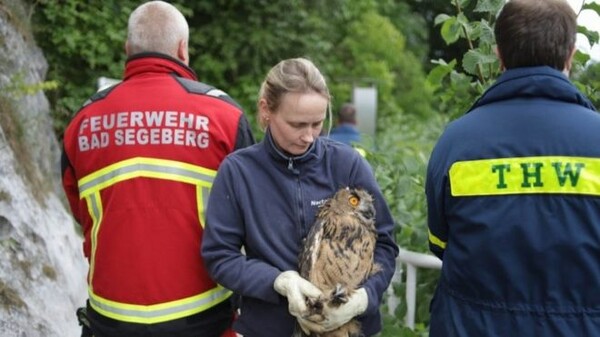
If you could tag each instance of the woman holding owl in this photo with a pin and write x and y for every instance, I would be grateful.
(263, 204)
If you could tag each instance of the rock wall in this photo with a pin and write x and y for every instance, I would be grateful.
(42, 268)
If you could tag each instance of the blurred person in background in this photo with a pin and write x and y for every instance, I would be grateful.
(346, 131)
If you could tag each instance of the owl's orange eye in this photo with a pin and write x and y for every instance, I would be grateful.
(353, 201)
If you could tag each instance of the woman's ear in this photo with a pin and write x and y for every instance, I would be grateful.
(263, 113)
(263, 107)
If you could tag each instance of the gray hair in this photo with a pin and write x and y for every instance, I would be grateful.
(156, 26)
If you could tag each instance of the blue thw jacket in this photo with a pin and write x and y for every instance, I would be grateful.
(513, 189)
(266, 202)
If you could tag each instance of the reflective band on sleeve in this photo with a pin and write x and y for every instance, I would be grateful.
(526, 175)
(95, 209)
(436, 241)
(148, 314)
(202, 193)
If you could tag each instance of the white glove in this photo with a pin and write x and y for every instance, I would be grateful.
(291, 285)
(338, 316)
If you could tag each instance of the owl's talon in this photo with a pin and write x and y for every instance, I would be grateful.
(314, 304)
(339, 295)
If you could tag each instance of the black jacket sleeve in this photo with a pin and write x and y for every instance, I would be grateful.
(244, 134)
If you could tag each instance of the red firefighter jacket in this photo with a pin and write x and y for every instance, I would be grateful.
(138, 163)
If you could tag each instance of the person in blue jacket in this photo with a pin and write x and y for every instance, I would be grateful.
(263, 203)
(513, 192)
(346, 130)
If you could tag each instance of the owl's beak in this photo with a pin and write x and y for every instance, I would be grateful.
(369, 212)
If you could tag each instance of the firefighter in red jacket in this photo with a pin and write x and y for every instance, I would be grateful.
(138, 163)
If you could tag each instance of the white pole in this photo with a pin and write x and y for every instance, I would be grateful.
(413, 261)
(411, 295)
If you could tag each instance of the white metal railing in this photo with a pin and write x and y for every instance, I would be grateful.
(412, 260)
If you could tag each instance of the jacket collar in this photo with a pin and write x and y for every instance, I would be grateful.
(143, 63)
(539, 82)
(292, 162)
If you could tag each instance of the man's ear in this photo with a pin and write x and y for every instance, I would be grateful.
(127, 48)
(182, 52)
(569, 61)
(497, 52)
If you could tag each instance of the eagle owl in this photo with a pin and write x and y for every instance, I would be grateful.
(337, 254)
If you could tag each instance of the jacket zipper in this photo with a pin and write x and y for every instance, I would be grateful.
(301, 229)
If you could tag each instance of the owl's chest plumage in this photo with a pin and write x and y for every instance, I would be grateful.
(340, 252)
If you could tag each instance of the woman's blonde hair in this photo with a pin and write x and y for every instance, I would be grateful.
(296, 75)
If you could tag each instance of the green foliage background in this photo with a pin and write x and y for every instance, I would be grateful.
(234, 43)
(428, 59)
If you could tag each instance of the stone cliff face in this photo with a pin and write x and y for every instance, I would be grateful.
(42, 269)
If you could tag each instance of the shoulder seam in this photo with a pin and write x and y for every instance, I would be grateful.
(100, 95)
(200, 88)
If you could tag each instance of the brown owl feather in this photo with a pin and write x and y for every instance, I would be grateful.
(337, 255)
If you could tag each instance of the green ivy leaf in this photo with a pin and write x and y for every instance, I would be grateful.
(489, 6)
(581, 57)
(439, 72)
(592, 36)
(474, 57)
(593, 6)
(487, 33)
(440, 18)
(451, 30)
(475, 30)
(463, 3)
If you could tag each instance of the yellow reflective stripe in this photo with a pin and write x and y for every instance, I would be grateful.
(436, 241)
(96, 211)
(90, 187)
(202, 200)
(361, 151)
(156, 313)
(526, 175)
(145, 167)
